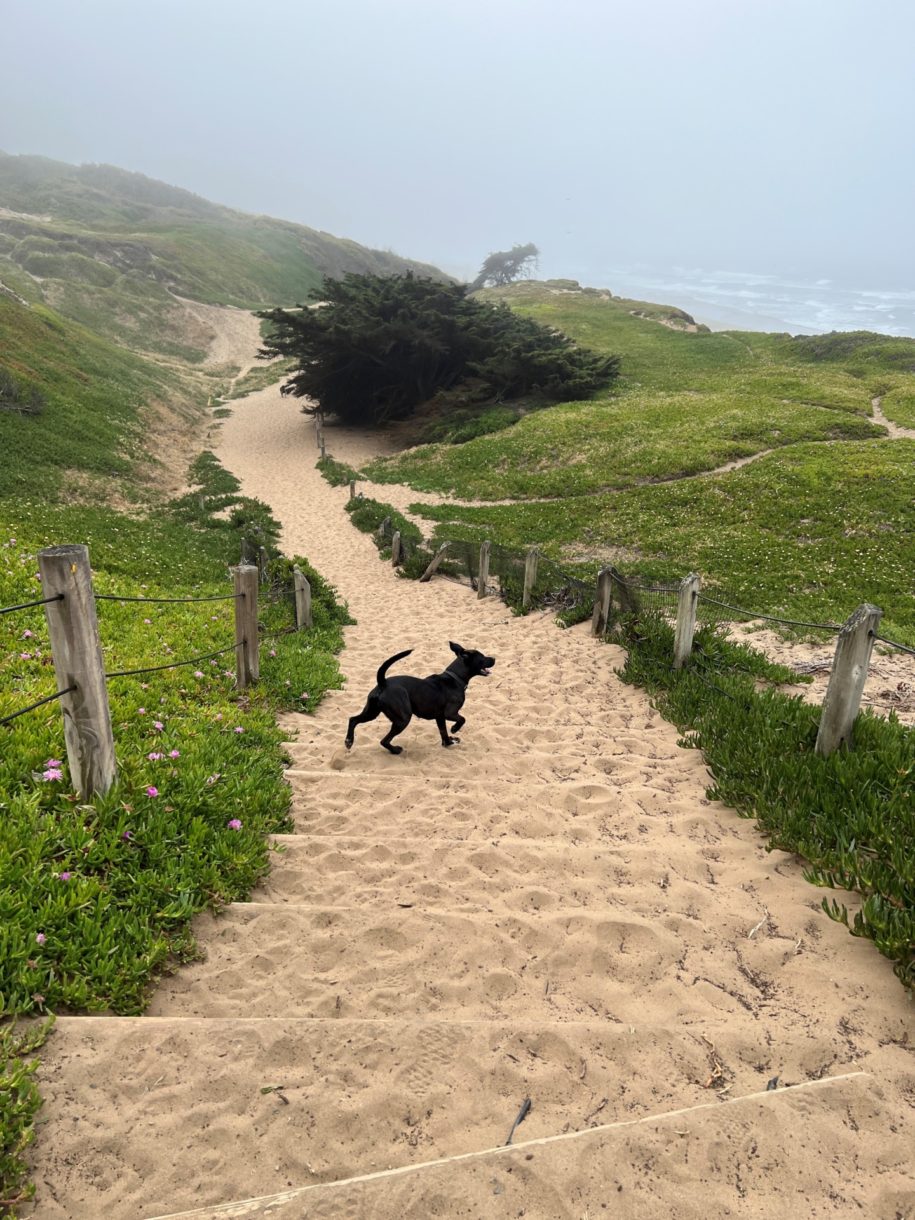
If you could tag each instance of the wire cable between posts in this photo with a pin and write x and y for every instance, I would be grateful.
(115, 597)
(770, 618)
(58, 597)
(151, 669)
(39, 703)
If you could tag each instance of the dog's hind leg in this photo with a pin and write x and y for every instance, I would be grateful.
(371, 711)
(398, 724)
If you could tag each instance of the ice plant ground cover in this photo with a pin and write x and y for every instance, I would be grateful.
(96, 896)
(808, 531)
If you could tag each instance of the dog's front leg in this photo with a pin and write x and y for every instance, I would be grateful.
(458, 725)
(443, 729)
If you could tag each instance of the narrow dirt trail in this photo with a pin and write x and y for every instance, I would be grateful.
(551, 910)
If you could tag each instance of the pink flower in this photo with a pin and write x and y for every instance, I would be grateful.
(304, 694)
(141, 711)
(148, 621)
(151, 791)
(155, 756)
(27, 635)
(239, 729)
(144, 686)
(65, 876)
(40, 938)
(53, 762)
(174, 753)
(219, 715)
(25, 656)
(273, 652)
(128, 835)
(52, 774)
(157, 724)
(198, 673)
(233, 824)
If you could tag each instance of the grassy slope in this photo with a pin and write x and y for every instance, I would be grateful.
(109, 248)
(96, 896)
(95, 393)
(808, 531)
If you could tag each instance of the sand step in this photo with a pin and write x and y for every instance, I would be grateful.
(408, 803)
(356, 1095)
(760, 1154)
(504, 874)
(277, 960)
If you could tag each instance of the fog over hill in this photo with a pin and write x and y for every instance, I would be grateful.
(114, 249)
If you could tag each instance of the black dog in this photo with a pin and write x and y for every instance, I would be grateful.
(439, 697)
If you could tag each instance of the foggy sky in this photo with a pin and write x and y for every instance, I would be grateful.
(772, 136)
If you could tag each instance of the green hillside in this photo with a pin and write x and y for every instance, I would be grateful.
(112, 249)
(821, 523)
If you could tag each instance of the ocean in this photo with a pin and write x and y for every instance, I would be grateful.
(726, 300)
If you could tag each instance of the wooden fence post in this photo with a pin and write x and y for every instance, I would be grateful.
(352, 489)
(603, 592)
(318, 431)
(247, 643)
(323, 450)
(396, 549)
(530, 576)
(262, 560)
(846, 682)
(483, 575)
(77, 653)
(382, 532)
(436, 560)
(687, 605)
(303, 617)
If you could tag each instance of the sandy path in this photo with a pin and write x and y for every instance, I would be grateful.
(552, 909)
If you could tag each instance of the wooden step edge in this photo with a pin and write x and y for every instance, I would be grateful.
(605, 1026)
(260, 1207)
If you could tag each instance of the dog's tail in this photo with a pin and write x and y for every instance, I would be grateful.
(380, 677)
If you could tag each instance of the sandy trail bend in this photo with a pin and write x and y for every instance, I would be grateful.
(552, 909)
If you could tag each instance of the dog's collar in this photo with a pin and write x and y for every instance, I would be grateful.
(452, 674)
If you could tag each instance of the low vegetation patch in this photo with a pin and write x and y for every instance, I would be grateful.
(338, 474)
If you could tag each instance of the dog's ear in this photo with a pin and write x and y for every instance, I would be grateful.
(456, 648)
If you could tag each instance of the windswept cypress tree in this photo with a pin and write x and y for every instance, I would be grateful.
(372, 348)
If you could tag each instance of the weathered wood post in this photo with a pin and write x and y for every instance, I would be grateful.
(436, 560)
(602, 595)
(318, 430)
(352, 489)
(323, 450)
(303, 617)
(247, 643)
(687, 605)
(846, 682)
(530, 576)
(396, 549)
(262, 560)
(483, 575)
(382, 532)
(77, 653)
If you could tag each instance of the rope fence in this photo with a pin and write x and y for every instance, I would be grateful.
(525, 579)
(76, 651)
